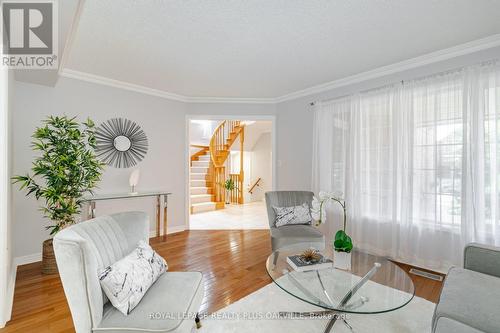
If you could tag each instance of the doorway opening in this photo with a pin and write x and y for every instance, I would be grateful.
(231, 166)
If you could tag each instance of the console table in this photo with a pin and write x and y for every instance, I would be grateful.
(121, 196)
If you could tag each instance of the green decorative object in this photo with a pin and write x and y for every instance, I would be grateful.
(64, 171)
(229, 185)
(341, 241)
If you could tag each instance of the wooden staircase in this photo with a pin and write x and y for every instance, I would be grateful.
(208, 171)
(200, 190)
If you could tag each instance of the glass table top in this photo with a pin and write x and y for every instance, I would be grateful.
(385, 288)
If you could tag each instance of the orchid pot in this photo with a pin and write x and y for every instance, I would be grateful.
(342, 260)
(342, 243)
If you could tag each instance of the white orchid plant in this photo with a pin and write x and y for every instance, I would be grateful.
(342, 242)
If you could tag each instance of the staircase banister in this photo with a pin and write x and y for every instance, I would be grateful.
(255, 184)
(213, 144)
(199, 146)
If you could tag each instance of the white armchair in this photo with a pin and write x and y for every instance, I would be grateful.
(83, 249)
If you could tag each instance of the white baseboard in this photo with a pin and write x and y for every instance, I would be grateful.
(35, 257)
(170, 230)
(176, 229)
(30, 258)
(9, 295)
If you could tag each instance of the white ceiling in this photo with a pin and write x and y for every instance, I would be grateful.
(265, 48)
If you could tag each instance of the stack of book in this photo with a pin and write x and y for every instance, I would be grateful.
(301, 265)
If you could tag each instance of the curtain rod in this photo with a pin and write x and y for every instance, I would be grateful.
(494, 61)
(313, 103)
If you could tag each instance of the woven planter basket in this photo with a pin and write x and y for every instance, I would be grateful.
(49, 265)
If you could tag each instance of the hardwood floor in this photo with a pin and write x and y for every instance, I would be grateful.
(232, 262)
(425, 288)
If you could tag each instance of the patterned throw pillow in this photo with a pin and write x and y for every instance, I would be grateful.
(292, 215)
(126, 281)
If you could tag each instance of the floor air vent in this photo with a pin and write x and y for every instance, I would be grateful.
(432, 276)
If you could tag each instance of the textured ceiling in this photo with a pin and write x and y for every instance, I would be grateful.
(265, 48)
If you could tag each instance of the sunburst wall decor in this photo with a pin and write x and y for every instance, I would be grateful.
(121, 143)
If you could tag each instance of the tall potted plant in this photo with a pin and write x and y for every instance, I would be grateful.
(65, 169)
(342, 243)
(229, 185)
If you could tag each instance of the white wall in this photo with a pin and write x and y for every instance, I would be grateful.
(7, 272)
(257, 158)
(253, 133)
(229, 109)
(163, 167)
(11, 268)
(200, 131)
(4, 176)
(261, 166)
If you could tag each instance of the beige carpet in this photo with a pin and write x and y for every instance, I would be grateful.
(245, 316)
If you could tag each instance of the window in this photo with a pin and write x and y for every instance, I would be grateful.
(376, 148)
(419, 163)
(437, 152)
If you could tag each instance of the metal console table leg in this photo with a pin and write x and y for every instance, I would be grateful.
(91, 210)
(165, 214)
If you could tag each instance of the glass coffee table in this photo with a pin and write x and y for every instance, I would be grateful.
(373, 285)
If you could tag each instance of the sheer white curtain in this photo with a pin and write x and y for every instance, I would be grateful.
(417, 164)
(481, 211)
(331, 135)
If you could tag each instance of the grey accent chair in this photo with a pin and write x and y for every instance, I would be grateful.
(300, 236)
(83, 249)
(470, 299)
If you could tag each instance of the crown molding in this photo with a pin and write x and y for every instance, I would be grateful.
(426, 59)
(92, 78)
(82, 76)
(241, 100)
(71, 36)
(433, 57)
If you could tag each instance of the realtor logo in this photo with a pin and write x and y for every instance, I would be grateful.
(29, 34)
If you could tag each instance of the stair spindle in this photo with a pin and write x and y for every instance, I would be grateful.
(220, 144)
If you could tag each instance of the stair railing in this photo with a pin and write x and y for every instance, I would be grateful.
(235, 194)
(201, 151)
(224, 135)
(254, 184)
(217, 169)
